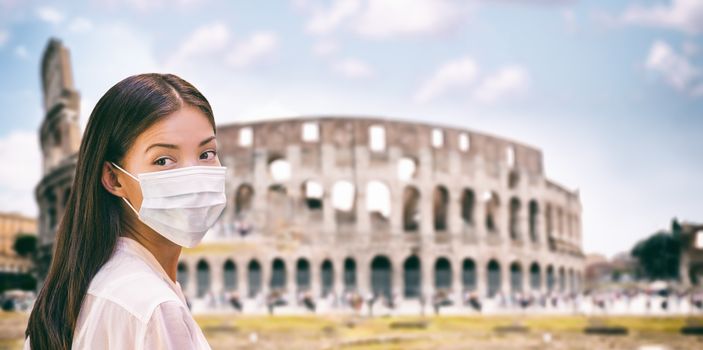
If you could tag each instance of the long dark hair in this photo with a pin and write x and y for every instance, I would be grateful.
(94, 218)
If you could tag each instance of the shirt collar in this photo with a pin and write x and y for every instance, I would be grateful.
(135, 248)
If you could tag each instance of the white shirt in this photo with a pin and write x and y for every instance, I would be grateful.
(131, 303)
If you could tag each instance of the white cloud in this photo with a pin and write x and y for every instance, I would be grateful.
(508, 81)
(682, 15)
(50, 15)
(352, 68)
(257, 47)
(21, 52)
(325, 48)
(324, 21)
(380, 19)
(451, 75)
(151, 5)
(20, 151)
(80, 25)
(207, 39)
(674, 68)
(4, 37)
(388, 18)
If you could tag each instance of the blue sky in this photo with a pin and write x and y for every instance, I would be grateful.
(610, 91)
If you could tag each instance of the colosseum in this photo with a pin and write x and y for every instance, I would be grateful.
(329, 206)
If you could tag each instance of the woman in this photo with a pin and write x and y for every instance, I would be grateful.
(148, 182)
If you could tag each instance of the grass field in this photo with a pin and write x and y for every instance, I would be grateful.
(440, 332)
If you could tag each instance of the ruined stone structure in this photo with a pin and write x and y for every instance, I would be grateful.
(386, 207)
(60, 138)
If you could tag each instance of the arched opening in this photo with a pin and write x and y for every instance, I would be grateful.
(514, 223)
(343, 201)
(467, 206)
(279, 169)
(243, 199)
(492, 204)
(327, 277)
(254, 278)
(302, 275)
(534, 214)
(378, 204)
(411, 209)
(548, 221)
(182, 275)
(230, 275)
(493, 278)
(407, 168)
(562, 279)
(349, 274)
(412, 277)
(515, 277)
(203, 278)
(550, 278)
(278, 275)
(441, 202)
(468, 275)
(381, 276)
(535, 276)
(377, 138)
(442, 274)
(313, 193)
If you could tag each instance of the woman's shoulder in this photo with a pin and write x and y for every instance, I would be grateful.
(132, 285)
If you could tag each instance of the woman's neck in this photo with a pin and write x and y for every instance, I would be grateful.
(165, 251)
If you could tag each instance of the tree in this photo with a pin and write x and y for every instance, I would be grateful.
(658, 255)
(25, 245)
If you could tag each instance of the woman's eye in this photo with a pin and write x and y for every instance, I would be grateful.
(162, 161)
(208, 155)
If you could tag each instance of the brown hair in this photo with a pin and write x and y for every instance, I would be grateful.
(93, 219)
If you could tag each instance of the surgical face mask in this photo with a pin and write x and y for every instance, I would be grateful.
(181, 204)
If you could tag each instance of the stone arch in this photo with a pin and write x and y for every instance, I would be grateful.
(278, 275)
(443, 274)
(349, 274)
(243, 199)
(535, 276)
(182, 274)
(302, 275)
(440, 208)
(514, 220)
(533, 215)
(550, 278)
(468, 274)
(254, 278)
(229, 275)
(407, 168)
(382, 276)
(493, 277)
(279, 169)
(468, 200)
(378, 204)
(562, 279)
(327, 277)
(412, 277)
(344, 202)
(313, 194)
(492, 203)
(516, 277)
(411, 209)
(203, 278)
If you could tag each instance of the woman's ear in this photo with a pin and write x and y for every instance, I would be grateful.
(110, 181)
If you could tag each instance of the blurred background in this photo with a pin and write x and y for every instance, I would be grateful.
(398, 168)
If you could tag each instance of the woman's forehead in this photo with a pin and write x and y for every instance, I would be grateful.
(185, 127)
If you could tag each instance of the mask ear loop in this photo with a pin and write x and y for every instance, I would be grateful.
(123, 198)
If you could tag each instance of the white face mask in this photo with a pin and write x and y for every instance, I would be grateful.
(181, 204)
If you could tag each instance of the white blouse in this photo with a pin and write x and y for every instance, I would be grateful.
(132, 304)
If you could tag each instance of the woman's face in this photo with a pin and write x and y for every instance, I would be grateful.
(182, 139)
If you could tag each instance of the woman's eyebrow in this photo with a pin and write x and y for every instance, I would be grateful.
(172, 146)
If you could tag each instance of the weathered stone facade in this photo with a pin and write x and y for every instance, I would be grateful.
(60, 138)
(477, 213)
